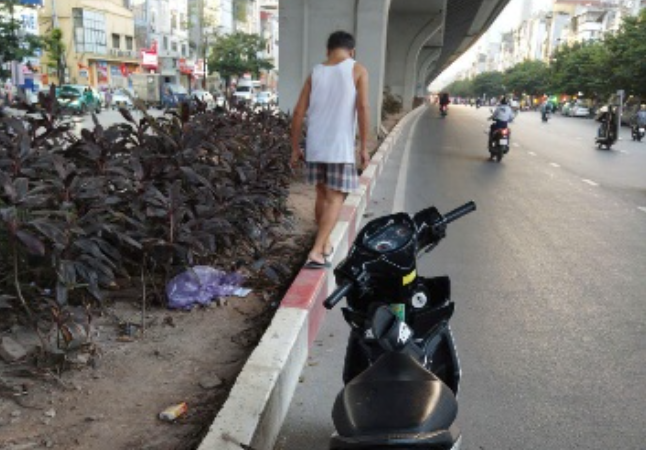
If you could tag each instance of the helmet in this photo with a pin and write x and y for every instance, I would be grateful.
(603, 109)
(503, 101)
(643, 107)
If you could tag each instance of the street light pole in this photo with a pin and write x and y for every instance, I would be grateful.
(54, 15)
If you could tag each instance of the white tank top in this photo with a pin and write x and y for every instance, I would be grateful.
(332, 117)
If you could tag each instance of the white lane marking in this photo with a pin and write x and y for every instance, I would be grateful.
(400, 189)
(590, 182)
(554, 165)
(642, 208)
(516, 144)
(624, 152)
(532, 153)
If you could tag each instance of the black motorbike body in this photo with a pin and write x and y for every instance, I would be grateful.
(444, 110)
(402, 371)
(637, 132)
(500, 142)
(607, 136)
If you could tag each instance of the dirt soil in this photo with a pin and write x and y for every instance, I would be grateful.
(111, 398)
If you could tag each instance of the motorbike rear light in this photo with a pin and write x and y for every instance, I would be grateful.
(505, 132)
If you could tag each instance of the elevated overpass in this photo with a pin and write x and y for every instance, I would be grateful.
(404, 44)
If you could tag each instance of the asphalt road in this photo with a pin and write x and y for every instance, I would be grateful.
(548, 279)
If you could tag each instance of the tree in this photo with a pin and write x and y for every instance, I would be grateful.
(626, 50)
(238, 53)
(15, 44)
(55, 47)
(527, 77)
(460, 88)
(488, 84)
(582, 67)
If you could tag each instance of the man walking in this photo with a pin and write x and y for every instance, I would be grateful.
(333, 97)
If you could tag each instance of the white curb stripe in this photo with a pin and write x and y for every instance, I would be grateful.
(264, 389)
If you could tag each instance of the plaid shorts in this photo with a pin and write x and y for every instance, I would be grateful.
(341, 177)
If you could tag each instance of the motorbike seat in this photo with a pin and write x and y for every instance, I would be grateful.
(395, 395)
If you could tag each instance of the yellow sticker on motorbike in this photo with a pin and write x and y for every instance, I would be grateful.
(408, 279)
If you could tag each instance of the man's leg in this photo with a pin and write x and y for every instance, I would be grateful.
(319, 208)
(331, 209)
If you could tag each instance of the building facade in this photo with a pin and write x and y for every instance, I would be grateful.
(99, 37)
(163, 25)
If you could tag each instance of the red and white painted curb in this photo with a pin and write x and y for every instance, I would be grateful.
(258, 403)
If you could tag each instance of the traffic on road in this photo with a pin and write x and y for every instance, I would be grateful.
(546, 277)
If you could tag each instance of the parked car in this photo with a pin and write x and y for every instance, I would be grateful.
(244, 92)
(122, 98)
(264, 98)
(204, 97)
(74, 99)
(580, 111)
(219, 97)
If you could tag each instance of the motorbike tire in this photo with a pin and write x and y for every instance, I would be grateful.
(499, 155)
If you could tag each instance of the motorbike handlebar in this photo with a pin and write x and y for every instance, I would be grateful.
(461, 211)
(338, 294)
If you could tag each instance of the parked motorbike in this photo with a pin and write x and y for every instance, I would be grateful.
(638, 132)
(402, 371)
(444, 110)
(545, 116)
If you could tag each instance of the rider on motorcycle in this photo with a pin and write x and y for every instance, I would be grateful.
(545, 110)
(608, 127)
(444, 100)
(501, 117)
(640, 117)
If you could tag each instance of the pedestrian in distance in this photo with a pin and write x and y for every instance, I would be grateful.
(108, 98)
(334, 96)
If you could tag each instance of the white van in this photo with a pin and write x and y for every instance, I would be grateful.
(245, 91)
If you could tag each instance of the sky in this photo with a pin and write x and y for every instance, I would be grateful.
(509, 19)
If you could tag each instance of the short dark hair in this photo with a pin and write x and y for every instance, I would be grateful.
(340, 39)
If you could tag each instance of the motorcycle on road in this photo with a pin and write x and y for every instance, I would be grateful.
(444, 110)
(638, 132)
(402, 371)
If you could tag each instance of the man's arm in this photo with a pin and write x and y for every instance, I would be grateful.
(297, 121)
(363, 113)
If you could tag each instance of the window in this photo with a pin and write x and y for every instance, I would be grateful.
(173, 21)
(116, 41)
(89, 31)
(184, 50)
(128, 42)
(165, 43)
(173, 46)
(182, 21)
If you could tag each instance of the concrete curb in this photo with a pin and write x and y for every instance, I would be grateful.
(258, 403)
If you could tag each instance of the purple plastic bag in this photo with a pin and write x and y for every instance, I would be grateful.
(200, 286)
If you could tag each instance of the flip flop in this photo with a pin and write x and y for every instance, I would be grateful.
(311, 264)
(327, 255)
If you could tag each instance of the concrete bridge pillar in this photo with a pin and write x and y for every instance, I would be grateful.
(304, 28)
